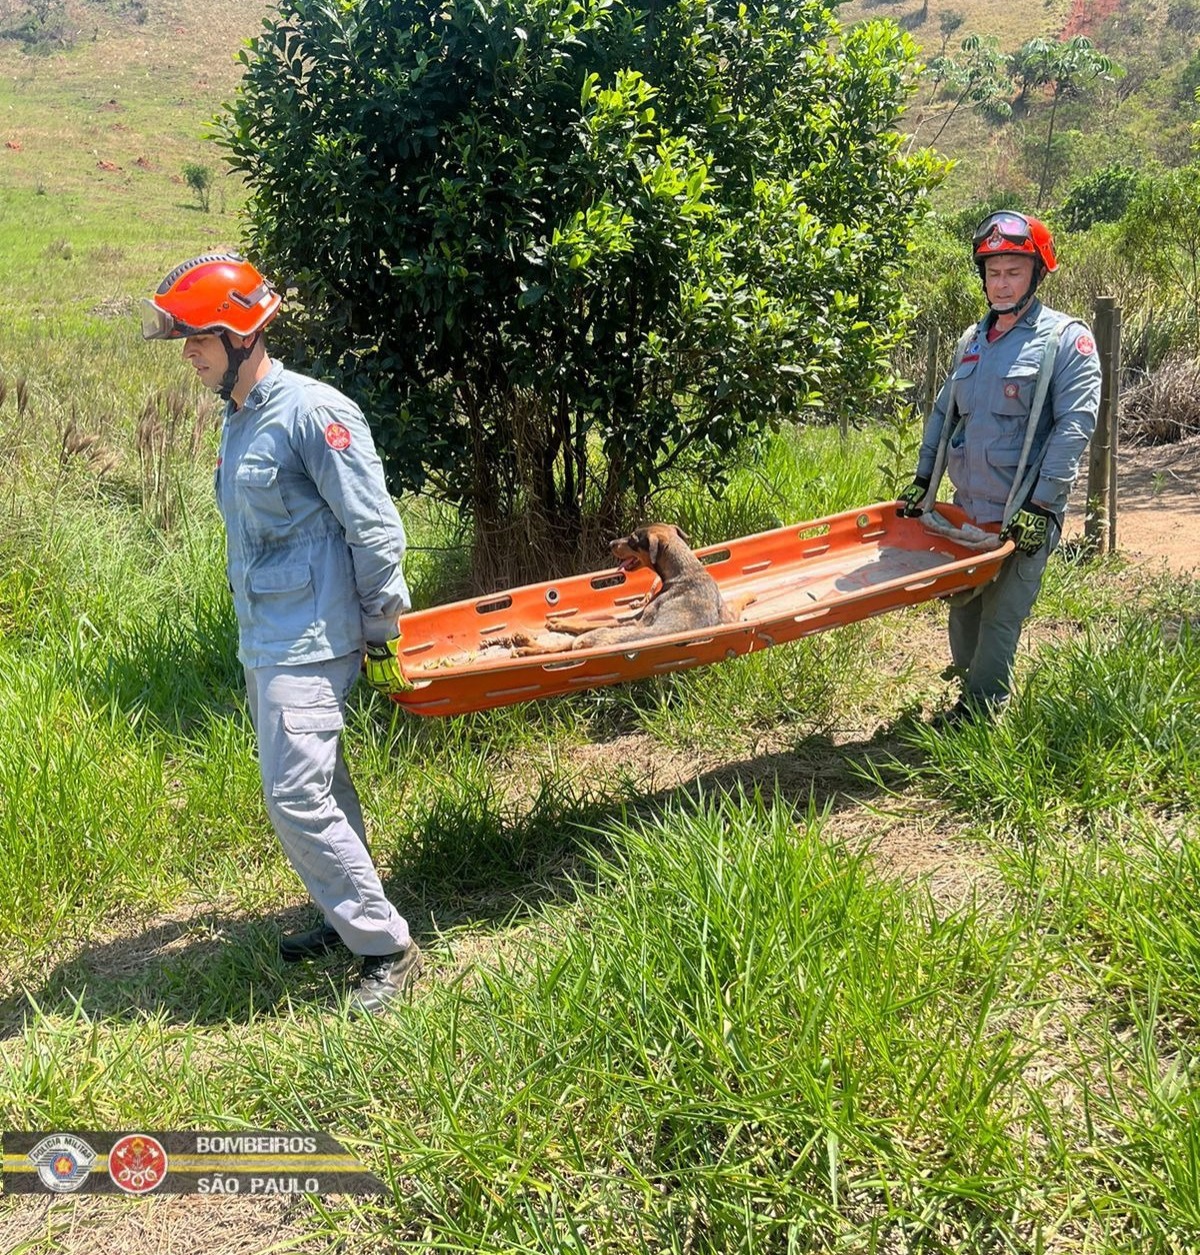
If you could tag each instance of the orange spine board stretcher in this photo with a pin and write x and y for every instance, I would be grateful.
(804, 578)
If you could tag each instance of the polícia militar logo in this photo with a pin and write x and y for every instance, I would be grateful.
(63, 1162)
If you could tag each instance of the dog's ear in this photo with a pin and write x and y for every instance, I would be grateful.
(687, 540)
(647, 539)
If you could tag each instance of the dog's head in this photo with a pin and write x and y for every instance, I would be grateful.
(642, 547)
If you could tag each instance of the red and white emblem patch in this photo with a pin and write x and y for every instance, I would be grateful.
(137, 1163)
(1012, 391)
(337, 436)
(1085, 345)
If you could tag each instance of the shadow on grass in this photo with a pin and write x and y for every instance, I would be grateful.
(470, 869)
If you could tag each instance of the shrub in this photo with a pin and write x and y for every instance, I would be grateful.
(1165, 407)
(575, 250)
(199, 178)
(1100, 197)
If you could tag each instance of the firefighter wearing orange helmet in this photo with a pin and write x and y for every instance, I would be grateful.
(1010, 426)
(314, 551)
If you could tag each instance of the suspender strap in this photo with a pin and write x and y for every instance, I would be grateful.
(1023, 483)
(948, 424)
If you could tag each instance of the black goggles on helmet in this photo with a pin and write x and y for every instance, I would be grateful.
(1004, 227)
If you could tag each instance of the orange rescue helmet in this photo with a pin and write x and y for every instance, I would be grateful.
(208, 295)
(1011, 232)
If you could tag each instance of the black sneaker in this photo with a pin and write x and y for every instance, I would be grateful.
(384, 979)
(966, 711)
(957, 715)
(323, 939)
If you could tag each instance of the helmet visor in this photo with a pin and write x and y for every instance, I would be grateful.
(1002, 228)
(157, 324)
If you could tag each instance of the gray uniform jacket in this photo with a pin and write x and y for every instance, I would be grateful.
(993, 391)
(314, 544)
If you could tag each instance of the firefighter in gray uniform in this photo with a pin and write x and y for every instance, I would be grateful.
(1009, 426)
(314, 548)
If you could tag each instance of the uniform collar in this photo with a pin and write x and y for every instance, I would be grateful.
(258, 395)
(261, 392)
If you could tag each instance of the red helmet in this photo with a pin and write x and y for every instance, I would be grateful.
(1010, 232)
(207, 295)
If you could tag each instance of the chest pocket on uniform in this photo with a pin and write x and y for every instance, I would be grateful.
(259, 489)
(1014, 394)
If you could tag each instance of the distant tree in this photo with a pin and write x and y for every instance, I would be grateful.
(1160, 231)
(977, 76)
(1189, 81)
(1070, 68)
(199, 178)
(1100, 197)
(949, 22)
(563, 252)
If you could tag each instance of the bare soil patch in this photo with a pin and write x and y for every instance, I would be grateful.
(1158, 505)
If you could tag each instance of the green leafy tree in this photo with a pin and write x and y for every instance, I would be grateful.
(1161, 234)
(1100, 197)
(1070, 68)
(975, 77)
(573, 250)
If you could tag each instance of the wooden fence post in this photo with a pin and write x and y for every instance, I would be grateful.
(929, 391)
(1100, 524)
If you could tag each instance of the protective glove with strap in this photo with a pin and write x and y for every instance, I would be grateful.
(912, 496)
(382, 668)
(1028, 528)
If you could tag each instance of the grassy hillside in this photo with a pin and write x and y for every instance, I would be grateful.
(1145, 115)
(94, 137)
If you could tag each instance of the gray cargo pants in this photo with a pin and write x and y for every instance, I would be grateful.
(986, 627)
(298, 715)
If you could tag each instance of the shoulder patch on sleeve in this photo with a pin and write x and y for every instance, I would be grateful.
(337, 436)
(1085, 344)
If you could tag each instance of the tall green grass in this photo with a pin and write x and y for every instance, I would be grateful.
(1103, 722)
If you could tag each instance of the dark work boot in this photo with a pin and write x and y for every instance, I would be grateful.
(385, 978)
(313, 944)
(965, 711)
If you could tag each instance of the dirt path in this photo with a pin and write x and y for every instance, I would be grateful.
(1158, 506)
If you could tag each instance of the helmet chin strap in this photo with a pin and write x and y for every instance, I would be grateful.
(234, 358)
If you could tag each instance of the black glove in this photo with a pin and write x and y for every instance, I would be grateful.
(912, 497)
(1028, 528)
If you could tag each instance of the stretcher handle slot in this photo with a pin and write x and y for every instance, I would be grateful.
(496, 603)
(411, 651)
(515, 691)
(609, 581)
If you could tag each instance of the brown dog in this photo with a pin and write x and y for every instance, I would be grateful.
(688, 598)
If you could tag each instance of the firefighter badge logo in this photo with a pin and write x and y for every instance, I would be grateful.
(63, 1162)
(137, 1163)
